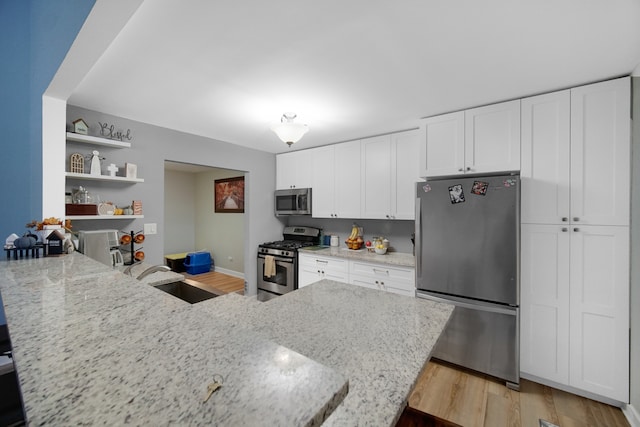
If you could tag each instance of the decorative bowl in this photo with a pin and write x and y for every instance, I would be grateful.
(381, 251)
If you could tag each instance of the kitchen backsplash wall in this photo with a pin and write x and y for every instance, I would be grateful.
(398, 232)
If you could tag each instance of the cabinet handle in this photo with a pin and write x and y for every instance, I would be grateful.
(375, 270)
(575, 218)
(565, 219)
(388, 217)
(576, 229)
(565, 229)
(468, 168)
(461, 170)
(322, 261)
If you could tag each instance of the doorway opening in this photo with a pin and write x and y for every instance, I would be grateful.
(191, 223)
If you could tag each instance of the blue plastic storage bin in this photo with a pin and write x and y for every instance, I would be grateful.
(198, 262)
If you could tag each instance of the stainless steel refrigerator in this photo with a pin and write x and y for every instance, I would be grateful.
(467, 253)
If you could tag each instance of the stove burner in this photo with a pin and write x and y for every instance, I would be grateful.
(290, 245)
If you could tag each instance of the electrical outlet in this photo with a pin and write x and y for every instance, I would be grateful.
(151, 228)
(230, 258)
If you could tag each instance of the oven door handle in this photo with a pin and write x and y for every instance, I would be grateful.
(277, 258)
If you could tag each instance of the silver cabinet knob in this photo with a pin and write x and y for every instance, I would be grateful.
(468, 168)
(461, 170)
(565, 229)
(575, 218)
(565, 219)
(576, 229)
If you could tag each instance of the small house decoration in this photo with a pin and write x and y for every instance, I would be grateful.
(81, 127)
(76, 163)
(55, 241)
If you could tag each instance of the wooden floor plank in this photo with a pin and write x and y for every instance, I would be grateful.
(453, 394)
(220, 282)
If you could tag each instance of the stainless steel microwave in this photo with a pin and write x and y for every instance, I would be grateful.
(295, 201)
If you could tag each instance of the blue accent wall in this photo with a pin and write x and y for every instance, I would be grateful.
(35, 36)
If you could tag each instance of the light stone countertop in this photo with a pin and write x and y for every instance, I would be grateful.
(399, 259)
(94, 346)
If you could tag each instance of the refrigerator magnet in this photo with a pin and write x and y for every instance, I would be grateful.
(510, 182)
(479, 188)
(426, 188)
(456, 194)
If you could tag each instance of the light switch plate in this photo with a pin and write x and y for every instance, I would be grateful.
(150, 228)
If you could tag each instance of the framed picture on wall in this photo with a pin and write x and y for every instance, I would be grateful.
(229, 195)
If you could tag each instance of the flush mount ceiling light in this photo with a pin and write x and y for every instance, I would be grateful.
(288, 131)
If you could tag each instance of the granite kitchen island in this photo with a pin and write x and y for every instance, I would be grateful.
(93, 346)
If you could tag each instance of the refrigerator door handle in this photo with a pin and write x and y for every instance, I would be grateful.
(492, 308)
(418, 240)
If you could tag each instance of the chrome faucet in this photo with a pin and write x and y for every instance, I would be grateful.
(148, 271)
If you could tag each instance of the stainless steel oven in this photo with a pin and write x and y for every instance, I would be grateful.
(278, 261)
(284, 279)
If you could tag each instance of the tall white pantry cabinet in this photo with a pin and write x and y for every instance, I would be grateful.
(576, 172)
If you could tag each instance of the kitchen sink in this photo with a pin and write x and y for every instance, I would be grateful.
(186, 292)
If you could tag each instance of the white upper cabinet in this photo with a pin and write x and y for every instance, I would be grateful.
(336, 180)
(390, 169)
(545, 158)
(601, 153)
(405, 172)
(442, 148)
(576, 155)
(376, 177)
(478, 140)
(492, 138)
(292, 170)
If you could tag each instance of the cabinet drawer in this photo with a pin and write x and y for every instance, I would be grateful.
(397, 287)
(382, 271)
(329, 263)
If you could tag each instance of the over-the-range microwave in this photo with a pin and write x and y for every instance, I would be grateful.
(295, 201)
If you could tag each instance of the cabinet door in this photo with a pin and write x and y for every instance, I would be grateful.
(599, 346)
(307, 275)
(545, 158)
(347, 179)
(405, 172)
(442, 145)
(600, 153)
(292, 170)
(322, 195)
(492, 138)
(376, 177)
(544, 301)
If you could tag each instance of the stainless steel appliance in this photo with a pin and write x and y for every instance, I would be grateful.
(282, 277)
(296, 201)
(101, 245)
(467, 254)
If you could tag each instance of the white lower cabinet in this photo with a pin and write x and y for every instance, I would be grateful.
(575, 307)
(312, 268)
(383, 277)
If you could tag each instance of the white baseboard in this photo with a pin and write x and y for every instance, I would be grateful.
(229, 272)
(572, 390)
(631, 414)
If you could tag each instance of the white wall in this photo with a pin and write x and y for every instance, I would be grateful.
(179, 212)
(151, 146)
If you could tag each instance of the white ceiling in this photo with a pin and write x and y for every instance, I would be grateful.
(350, 69)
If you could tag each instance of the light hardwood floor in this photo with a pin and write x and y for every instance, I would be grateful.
(220, 282)
(474, 400)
